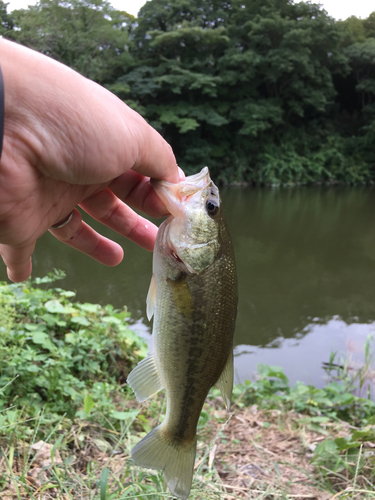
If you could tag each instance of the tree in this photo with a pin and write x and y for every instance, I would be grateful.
(352, 30)
(6, 21)
(87, 35)
(224, 80)
(265, 91)
(369, 25)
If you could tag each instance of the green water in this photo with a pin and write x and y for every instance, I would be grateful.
(306, 269)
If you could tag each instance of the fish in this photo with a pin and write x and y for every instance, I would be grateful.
(193, 299)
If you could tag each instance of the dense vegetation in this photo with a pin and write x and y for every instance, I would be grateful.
(59, 355)
(266, 91)
(62, 364)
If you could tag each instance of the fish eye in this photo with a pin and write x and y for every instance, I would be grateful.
(212, 207)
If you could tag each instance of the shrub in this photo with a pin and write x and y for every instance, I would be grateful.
(59, 354)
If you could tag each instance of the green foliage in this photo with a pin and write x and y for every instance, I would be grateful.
(247, 88)
(6, 20)
(62, 368)
(352, 30)
(269, 92)
(336, 400)
(343, 454)
(64, 356)
(87, 35)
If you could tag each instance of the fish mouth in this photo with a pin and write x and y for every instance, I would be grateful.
(195, 178)
(172, 195)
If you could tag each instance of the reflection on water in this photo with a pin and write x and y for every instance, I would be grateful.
(306, 266)
(301, 357)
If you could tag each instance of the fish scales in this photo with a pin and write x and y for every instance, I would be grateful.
(200, 344)
(193, 296)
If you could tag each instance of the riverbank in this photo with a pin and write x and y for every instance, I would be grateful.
(68, 420)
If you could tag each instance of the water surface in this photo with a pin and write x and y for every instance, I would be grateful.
(306, 269)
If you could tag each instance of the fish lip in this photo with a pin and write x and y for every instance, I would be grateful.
(189, 180)
(192, 179)
(172, 194)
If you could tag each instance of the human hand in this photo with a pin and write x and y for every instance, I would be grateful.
(69, 142)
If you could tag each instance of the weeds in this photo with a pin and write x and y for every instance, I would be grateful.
(65, 357)
(358, 378)
(68, 422)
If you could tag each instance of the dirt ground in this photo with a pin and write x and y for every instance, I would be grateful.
(268, 451)
(257, 454)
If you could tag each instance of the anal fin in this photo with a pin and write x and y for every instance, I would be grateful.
(225, 382)
(144, 379)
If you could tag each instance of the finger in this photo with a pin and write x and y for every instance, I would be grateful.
(79, 235)
(106, 208)
(136, 190)
(18, 261)
(181, 174)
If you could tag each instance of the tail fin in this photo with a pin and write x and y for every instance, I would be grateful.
(174, 458)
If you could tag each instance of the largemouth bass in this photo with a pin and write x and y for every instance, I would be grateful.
(193, 298)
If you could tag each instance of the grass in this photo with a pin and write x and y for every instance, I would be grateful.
(67, 425)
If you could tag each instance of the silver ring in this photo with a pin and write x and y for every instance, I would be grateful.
(62, 224)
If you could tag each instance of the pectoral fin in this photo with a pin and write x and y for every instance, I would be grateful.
(151, 298)
(144, 379)
(225, 382)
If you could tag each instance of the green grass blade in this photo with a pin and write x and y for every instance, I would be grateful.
(103, 483)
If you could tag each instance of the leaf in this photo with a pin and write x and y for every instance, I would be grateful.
(103, 483)
(32, 368)
(89, 307)
(122, 315)
(88, 404)
(71, 392)
(55, 446)
(328, 446)
(320, 420)
(80, 320)
(42, 338)
(346, 443)
(30, 327)
(111, 320)
(125, 415)
(364, 434)
(272, 371)
(71, 338)
(145, 423)
(52, 320)
(67, 293)
(54, 306)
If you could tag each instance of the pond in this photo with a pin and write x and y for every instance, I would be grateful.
(306, 269)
